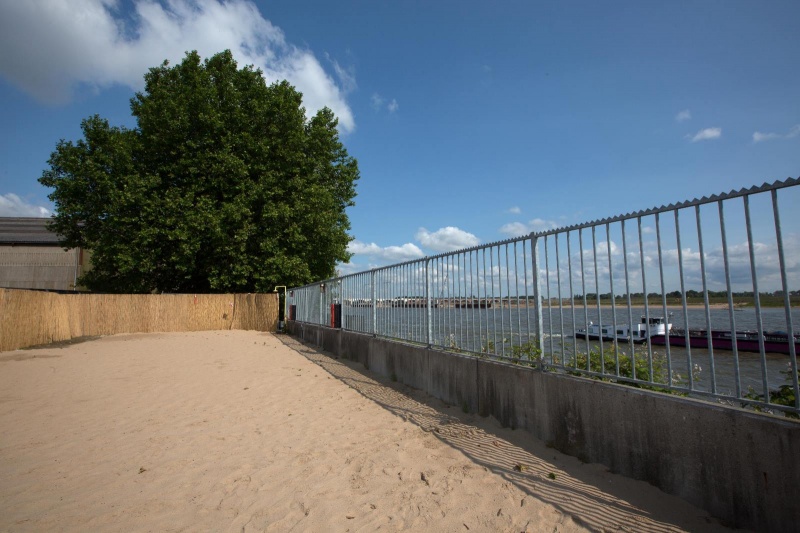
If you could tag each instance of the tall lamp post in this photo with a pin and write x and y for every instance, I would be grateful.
(285, 304)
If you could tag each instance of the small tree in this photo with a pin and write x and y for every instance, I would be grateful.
(224, 185)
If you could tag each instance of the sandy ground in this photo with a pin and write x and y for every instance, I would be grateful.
(247, 431)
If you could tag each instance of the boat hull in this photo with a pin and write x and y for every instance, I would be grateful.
(701, 340)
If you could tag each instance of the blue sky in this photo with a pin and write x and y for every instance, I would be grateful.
(471, 121)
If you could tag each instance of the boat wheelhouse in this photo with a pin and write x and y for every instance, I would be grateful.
(623, 333)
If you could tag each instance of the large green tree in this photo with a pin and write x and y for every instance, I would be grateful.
(224, 185)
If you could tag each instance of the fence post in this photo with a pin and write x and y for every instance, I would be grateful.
(537, 295)
(428, 314)
(341, 283)
(322, 304)
(374, 304)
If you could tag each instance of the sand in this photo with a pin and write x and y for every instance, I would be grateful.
(248, 431)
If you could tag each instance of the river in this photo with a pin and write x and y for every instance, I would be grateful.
(474, 329)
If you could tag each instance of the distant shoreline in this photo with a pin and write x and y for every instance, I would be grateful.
(669, 306)
(639, 305)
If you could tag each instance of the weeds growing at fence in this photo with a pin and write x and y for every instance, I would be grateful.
(655, 371)
(783, 396)
(600, 365)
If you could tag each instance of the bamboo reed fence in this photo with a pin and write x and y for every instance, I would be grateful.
(31, 318)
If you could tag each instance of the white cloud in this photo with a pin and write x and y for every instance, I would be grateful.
(514, 210)
(346, 75)
(12, 205)
(60, 46)
(515, 229)
(446, 239)
(378, 103)
(706, 134)
(683, 116)
(761, 137)
(402, 253)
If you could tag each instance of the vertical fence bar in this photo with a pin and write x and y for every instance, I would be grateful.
(508, 297)
(690, 367)
(342, 298)
(571, 302)
(516, 290)
(628, 296)
(462, 290)
(786, 301)
(731, 316)
(549, 299)
(646, 300)
(428, 305)
(422, 281)
(756, 297)
(494, 303)
(502, 309)
(663, 302)
(613, 300)
(486, 298)
(585, 305)
(597, 298)
(711, 364)
(560, 300)
(527, 298)
(537, 293)
(449, 283)
(472, 299)
(478, 292)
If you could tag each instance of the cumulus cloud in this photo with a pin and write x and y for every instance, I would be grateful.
(64, 45)
(706, 135)
(515, 229)
(683, 116)
(393, 106)
(446, 239)
(12, 205)
(402, 253)
(514, 210)
(343, 269)
(761, 137)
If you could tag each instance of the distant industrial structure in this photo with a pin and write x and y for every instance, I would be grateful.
(32, 258)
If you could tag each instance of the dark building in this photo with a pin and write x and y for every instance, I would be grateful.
(31, 258)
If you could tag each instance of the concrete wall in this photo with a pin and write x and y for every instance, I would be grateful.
(740, 466)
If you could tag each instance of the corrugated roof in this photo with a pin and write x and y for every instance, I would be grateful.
(20, 230)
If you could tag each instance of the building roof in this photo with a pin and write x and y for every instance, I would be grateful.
(22, 230)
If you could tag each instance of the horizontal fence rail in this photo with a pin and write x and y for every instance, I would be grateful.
(692, 298)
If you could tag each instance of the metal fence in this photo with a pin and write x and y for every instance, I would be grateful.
(717, 274)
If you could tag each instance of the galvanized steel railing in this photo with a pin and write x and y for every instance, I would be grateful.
(523, 300)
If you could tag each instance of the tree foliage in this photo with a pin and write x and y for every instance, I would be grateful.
(224, 185)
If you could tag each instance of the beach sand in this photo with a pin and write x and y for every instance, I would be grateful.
(249, 431)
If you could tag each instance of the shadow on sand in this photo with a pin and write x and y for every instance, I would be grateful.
(572, 487)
